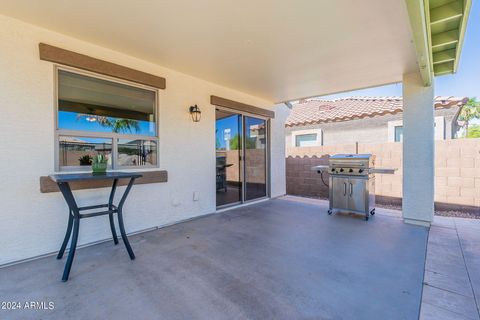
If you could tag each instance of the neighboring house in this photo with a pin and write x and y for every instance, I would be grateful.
(318, 122)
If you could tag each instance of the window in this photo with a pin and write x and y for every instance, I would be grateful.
(306, 140)
(136, 152)
(100, 116)
(398, 134)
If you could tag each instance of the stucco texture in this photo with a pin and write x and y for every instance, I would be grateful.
(33, 223)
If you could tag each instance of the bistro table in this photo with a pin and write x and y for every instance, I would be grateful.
(63, 182)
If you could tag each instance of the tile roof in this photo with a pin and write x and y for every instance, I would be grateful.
(319, 111)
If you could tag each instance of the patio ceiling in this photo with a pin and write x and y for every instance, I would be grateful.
(276, 50)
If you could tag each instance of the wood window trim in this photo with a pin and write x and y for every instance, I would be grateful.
(222, 102)
(48, 186)
(84, 62)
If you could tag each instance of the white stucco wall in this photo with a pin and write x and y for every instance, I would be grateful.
(277, 170)
(418, 151)
(32, 223)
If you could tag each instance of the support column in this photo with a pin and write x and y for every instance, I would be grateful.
(418, 150)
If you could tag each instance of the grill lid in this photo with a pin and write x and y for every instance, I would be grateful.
(365, 156)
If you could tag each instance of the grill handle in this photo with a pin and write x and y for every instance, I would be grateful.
(351, 189)
(344, 188)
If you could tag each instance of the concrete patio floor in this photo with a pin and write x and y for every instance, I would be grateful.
(279, 259)
(452, 270)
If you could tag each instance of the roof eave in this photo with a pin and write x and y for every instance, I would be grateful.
(446, 23)
(438, 31)
(463, 29)
(418, 21)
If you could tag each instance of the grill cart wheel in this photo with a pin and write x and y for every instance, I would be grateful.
(372, 212)
(329, 211)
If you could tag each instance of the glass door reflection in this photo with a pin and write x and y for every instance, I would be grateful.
(228, 142)
(255, 159)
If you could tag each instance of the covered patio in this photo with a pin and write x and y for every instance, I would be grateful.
(271, 257)
(279, 259)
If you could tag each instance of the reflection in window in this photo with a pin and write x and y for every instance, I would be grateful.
(255, 158)
(255, 135)
(90, 104)
(228, 144)
(137, 153)
(79, 151)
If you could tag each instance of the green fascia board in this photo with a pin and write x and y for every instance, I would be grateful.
(444, 47)
(447, 21)
(443, 68)
(444, 56)
(447, 25)
(438, 29)
(449, 11)
(467, 5)
(418, 15)
(445, 38)
(438, 3)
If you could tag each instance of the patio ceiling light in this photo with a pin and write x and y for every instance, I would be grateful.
(195, 113)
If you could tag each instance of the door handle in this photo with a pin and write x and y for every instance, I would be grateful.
(351, 189)
(344, 188)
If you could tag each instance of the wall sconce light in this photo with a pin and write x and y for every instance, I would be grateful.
(195, 113)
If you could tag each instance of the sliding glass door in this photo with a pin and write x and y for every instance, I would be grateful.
(255, 158)
(241, 158)
(229, 150)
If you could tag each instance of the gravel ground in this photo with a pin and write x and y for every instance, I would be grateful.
(449, 213)
(458, 214)
(443, 213)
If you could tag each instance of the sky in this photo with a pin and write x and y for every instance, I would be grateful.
(232, 125)
(71, 121)
(228, 123)
(466, 82)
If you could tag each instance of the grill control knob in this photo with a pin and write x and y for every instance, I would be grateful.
(351, 170)
(360, 170)
(333, 169)
(341, 170)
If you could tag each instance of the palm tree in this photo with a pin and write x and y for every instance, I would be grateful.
(470, 111)
(117, 125)
(235, 143)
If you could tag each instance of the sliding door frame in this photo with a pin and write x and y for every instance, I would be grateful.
(243, 152)
(241, 170)
(267, 158)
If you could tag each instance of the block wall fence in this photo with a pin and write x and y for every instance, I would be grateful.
(457, 172)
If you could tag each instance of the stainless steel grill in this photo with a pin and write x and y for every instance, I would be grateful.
(352, 182)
